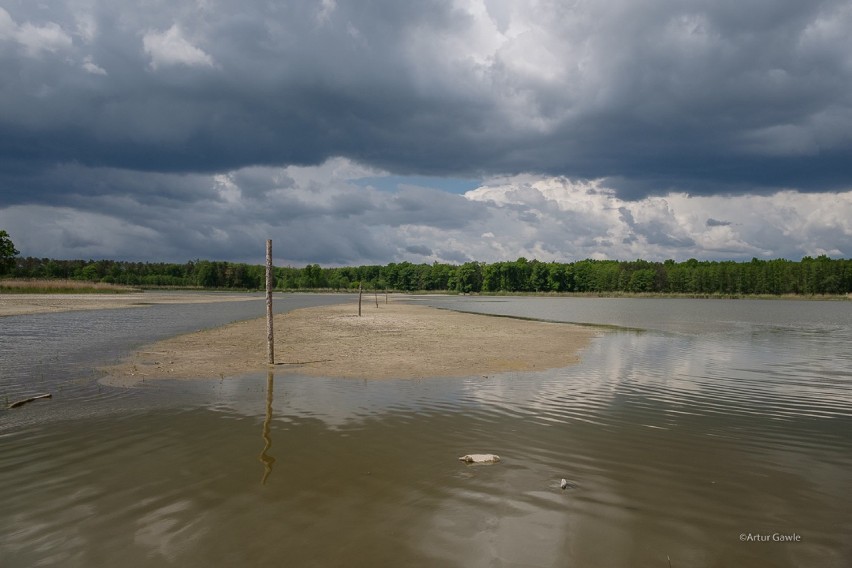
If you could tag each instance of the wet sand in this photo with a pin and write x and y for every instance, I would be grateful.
(26, 304)
(395, 340)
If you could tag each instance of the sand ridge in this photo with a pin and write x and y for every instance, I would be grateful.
(27, 304)
(395, 340)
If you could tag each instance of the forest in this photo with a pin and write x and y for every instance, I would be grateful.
(809, 276)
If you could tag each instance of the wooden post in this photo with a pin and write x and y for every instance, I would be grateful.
(359, 299)
(377, 298)
(386, 295)
(270, 345)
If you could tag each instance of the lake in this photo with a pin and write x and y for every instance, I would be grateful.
(693, 433)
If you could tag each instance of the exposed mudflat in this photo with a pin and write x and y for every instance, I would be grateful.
(395, 340)
(26, 304)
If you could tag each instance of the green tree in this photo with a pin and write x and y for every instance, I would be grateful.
(642, 280)
(538, 276)
(468, 278)
(312, 277)
(8, 252)
(491, 278)
(205, 274)
(90, 272)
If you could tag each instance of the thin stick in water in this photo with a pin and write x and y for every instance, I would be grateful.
(18, 403)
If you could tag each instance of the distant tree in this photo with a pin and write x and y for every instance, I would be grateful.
(539, 273)
(205, 274)
(8, 252)
(642, 280)
(557, 277)
(440, 276)
(90, 272)
(312, 277)
(820, 275)
(468, 278)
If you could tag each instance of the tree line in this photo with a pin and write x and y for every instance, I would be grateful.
(820, 275)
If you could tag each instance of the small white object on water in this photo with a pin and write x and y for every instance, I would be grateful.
(480, 458)
(564, 483)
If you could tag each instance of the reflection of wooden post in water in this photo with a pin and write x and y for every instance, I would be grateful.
(265, 458)
(270, 347)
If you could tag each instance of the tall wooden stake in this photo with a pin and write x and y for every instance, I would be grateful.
(359, 299)
(270, 346)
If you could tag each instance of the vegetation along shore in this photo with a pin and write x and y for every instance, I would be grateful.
(809, 276)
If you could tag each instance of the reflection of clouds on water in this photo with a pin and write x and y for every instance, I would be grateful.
(165, 531)
(336, 402)
(60, 533)
(614, 368)
(661, 379)
(475, 530)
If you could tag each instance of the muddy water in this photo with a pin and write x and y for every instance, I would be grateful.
(710, 439)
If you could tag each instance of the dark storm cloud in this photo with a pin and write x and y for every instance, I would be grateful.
(199, 128)
(419, 249)
(703, 96)
(263, 85)
(711, 222)
(420, 205)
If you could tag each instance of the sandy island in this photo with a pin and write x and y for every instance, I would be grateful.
(26, 304)
(395, 340)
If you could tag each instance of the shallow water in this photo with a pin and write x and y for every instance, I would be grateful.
(59, 352)
(725, 418)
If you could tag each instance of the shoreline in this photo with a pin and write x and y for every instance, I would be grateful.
(19, 304)
(396, 340)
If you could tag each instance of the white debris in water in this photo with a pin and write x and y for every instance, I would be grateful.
(480, 458)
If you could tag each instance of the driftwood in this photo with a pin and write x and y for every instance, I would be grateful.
(32, 398)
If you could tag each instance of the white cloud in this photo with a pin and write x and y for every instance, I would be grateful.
(579, 220)
(325, 11)
(91, 67)
(327, 214)
(170, 48)
(35, 39)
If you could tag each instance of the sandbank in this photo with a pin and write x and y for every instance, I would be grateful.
(395, 340)
(27, 304)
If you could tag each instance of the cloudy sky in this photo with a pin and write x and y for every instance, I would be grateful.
(371, 131)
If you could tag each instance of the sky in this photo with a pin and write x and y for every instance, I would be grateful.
(375, 131)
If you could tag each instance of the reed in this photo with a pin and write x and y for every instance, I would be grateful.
(58, 286)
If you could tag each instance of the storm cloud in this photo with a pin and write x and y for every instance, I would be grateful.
(185, 127)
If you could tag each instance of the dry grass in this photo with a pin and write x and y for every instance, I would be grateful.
(56, 286)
